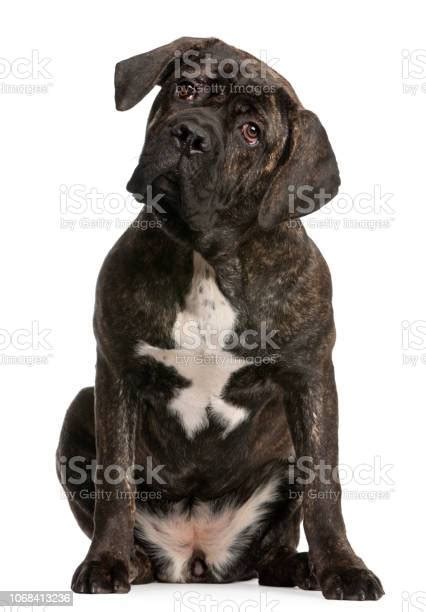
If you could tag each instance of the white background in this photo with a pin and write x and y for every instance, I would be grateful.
(346, 62)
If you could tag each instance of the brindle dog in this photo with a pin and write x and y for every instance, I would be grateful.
(214, 331)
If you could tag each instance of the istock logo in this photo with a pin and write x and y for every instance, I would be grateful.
(25, 345)
(77, 470)
(192, 601)
(413, 602)
(370, 210)
(84, 208)
(370, 481)
(191, 336)
(193, 64)
(413, 342)
(27, 75)
(413, 71)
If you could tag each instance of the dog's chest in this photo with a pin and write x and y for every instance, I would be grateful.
(202, 328)
(207, 317)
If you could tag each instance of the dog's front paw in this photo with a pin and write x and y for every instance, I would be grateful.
(103, 575)
(351, 583)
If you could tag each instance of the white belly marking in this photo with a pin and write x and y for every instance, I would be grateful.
(199, 333)
(221, 536)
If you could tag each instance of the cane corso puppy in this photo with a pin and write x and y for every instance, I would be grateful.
(195, 456)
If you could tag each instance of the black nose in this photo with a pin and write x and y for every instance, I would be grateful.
(191, 137)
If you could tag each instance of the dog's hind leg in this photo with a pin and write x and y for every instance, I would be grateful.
(76, 456)
(280, 564)
(289, 569)
(75, 466)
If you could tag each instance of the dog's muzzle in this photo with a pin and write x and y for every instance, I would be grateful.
(182, 161)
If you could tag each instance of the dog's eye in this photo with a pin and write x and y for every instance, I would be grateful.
(251, 133)
(186, 91)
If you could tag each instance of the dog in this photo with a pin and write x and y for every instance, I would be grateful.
(214, 329)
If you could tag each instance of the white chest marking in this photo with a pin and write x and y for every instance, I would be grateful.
(199, 333)
(220, 536)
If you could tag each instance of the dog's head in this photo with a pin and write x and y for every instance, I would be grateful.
(227, 140)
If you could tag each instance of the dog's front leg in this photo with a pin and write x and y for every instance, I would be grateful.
(313, 419)
(106, 566)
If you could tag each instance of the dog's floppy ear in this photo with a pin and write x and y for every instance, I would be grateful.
(307, 178)
(136, 76)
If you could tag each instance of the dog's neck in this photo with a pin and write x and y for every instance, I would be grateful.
(228, 248)
(220, 242)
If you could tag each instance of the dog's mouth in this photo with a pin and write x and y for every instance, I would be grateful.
(171, 195)
(164, 186)
(167, 184)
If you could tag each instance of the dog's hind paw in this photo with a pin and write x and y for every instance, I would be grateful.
(351, 583)
(103, 575)
(289, 571)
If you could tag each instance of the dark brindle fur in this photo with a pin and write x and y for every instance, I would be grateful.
(227, 248)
